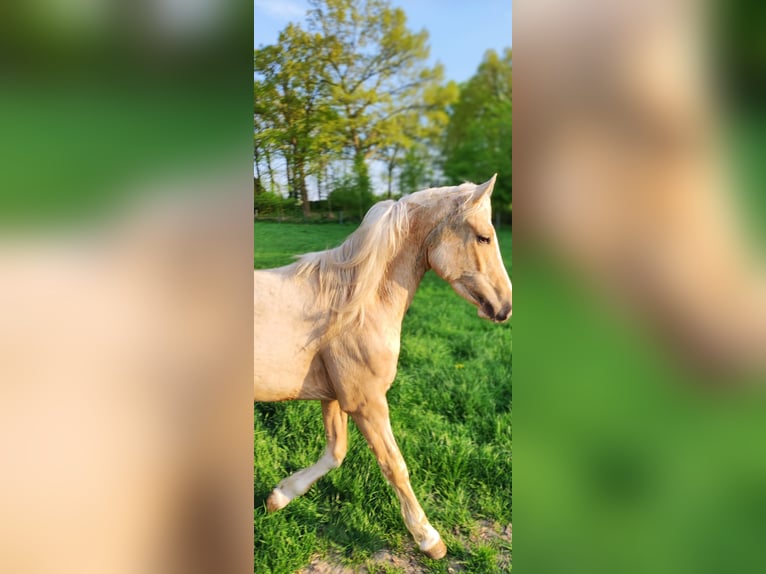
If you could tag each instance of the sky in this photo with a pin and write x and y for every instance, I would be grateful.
(460, 31)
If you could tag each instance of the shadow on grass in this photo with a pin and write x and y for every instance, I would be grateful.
(259, 497)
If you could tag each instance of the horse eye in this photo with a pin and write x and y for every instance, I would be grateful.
(482, 239)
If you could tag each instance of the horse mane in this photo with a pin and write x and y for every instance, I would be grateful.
(349, 275)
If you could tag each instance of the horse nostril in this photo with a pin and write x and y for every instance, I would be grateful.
(504, 313)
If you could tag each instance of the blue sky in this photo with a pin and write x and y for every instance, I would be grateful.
(460, 31)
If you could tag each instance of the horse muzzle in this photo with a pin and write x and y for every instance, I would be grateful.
(487, 311)
(504, 313)
(497, 314)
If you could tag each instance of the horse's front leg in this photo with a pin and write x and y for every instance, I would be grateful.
(336, 431)
(372, 420)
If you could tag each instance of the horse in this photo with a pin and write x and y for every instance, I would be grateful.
(328, 326)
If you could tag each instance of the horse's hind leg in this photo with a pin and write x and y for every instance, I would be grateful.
(336, 431)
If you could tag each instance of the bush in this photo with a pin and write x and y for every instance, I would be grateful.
(273, 204)
(351, 198)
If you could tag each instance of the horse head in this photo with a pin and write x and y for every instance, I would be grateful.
(464, 251)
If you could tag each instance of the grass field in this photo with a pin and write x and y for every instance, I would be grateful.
(451, 413)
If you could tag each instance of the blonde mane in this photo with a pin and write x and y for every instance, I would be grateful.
(349, 275)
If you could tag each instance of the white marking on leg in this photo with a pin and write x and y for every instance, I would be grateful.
(277, 500)
(301, 481)
(298, 483)
(431, 539)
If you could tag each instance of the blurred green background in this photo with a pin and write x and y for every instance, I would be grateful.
(622, 463)
(71, 151)
(101, 98)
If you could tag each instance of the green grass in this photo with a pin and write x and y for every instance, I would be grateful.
(451, 414)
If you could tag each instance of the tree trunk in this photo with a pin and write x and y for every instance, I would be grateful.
(256, 161)
(290, 174)
(391, 164)
(269, 169)
(304, 193)
(299, 181)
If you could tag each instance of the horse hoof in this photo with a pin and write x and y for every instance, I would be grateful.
(276, 500)
(437, 551)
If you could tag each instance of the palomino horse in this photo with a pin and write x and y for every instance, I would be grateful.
(328, 326)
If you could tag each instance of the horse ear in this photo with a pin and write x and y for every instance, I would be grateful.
(484, 190)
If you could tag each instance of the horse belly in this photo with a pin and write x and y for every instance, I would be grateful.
(277, 383)
(283, 374)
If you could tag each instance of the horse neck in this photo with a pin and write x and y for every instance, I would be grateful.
(407, 268)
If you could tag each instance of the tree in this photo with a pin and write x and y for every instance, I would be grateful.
(353, 193)
(353, 86)
(376, 72)
(292, 108)
(478, 139)
(419, 132)
(263, 144)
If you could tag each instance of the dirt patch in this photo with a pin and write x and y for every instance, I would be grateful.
(489, 531)
(325, 566)
(410, 561)
(383, 561)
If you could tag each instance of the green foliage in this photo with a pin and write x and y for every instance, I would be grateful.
(271, 204)
(420, 130)
(292, 112)
(415, 170)
(355, 84)
(258, 185)
(353, 196)
(451, 412)
(375, 67)
(361, 177)
(478, 140)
